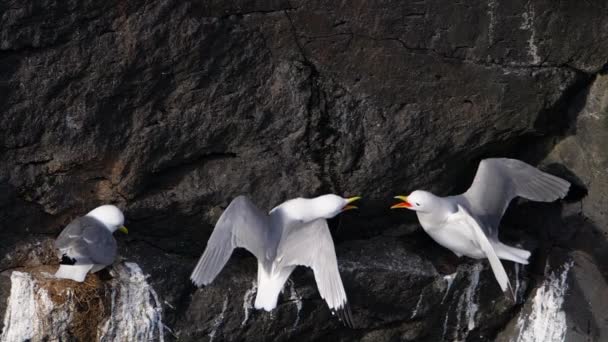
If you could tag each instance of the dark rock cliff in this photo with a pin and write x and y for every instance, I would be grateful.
(171, 108)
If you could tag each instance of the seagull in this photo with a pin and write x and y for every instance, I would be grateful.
(467, 224)
(293, 233)
(87, 245)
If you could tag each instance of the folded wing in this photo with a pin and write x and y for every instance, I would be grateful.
(499, 180)
(242, 224)
(311, 245)
(465, 217)
(87, 240)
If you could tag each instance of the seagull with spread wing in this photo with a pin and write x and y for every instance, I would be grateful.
(292, 234)
(467, 224)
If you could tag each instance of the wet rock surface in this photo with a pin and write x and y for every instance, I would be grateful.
(170, 109)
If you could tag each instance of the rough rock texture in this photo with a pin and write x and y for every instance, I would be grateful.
(584, 149)
(171, 108)
(40, 307)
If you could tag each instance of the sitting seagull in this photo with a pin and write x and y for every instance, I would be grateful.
(293, 233)
(467, 224)
(87, 245)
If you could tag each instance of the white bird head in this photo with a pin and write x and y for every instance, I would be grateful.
(310, 209)
(418, 200)
(110, 216)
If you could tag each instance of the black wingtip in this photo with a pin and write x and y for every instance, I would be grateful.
(345, 315)
(66, 260)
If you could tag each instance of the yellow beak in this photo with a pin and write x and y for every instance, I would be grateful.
(123, 229)
(403, 204)
(350, 200)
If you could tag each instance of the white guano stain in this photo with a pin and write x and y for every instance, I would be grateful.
(492, 5)
(418, 304)
(528, 24)
(30, 313)
(546, 321)
(472, 305)
(445, 322)
(297, 300)
(218, 320)
(466, 308)
(519, 284)
(136, 311)
(248, 301)
(449, 280)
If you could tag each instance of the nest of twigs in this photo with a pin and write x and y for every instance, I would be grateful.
(87, 302)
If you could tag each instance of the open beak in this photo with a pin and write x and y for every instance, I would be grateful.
(123, 229)
(404, 204)
(349, 201)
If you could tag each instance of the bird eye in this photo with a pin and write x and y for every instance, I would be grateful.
(417, 204)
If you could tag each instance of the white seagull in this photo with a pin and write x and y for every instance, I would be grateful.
(467, 224)
(293, 233)
(87, 245)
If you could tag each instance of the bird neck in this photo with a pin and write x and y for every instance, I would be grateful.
(301, 210)
(442, 208)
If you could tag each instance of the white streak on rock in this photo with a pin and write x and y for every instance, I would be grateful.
(218, 320)
(517, 281)
(472, 306)
(30, 313)
(169, 305)
(467, 307)
(136, 312)
(297, 300)
(546, 321)
(516, 267)
(445, 322)
(21, 310)
(417, 304)
(528, 24)
(248, 301)
(492, 5)
(449, 279)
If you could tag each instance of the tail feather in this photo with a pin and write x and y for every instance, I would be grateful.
(74, 272)
(514, 254)
(269, 287)
(97, 268)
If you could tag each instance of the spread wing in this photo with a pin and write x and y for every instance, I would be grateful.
(311, 245)
(87, 238)
(242, 224)
(499, 271)
(499, 180)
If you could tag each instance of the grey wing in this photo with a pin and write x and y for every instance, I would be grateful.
(101, 245)
(499, 180)
(242, 224)
(87, 238)
(69, 236)
(311, 245)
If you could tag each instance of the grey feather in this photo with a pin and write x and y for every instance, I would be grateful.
(87, 238)
(242, 224)
(499, 180)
